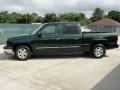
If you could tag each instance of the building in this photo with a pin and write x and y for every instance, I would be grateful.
(105, 25)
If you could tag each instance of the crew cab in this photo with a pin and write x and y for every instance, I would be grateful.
(60, 38)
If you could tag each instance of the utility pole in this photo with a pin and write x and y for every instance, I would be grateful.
(26, 18)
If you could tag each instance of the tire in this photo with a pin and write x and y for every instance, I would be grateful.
(98, 51)
(22, 53)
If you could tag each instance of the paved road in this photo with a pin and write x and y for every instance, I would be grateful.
(74, 72)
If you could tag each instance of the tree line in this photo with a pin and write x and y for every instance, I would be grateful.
(98, 13)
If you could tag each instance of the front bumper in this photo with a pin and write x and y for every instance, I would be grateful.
(8, 50)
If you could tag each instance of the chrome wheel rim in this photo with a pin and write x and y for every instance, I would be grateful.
(22, 53)
(98, 51)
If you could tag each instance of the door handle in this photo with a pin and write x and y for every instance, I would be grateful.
(76, 38)
(57, 38)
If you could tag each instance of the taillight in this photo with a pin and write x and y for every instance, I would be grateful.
(117, 39)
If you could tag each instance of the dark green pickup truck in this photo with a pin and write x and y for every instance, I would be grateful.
(61, 37)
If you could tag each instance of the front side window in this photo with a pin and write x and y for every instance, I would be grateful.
(50, 30)
(70, 29)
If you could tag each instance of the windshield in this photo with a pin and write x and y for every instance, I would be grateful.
(37, 29)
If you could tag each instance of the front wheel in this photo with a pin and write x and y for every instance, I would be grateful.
(98, 51)
(22, 53)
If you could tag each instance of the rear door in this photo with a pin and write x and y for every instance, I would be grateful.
(71, 38)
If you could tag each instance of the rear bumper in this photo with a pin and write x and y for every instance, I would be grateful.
(8, 50)
(112, 46)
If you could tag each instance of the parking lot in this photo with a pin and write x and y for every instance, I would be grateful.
(68, 72)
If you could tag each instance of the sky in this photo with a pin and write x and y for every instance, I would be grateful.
(58, 6)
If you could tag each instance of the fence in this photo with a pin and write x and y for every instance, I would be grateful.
(12, 30)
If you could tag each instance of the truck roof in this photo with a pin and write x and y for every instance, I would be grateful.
(62, 23)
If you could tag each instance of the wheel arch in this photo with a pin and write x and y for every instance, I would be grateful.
(104, 43)
(29, 46)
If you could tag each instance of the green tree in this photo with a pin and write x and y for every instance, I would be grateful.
(36, 18)
(26, 18)
(4, 17)
(74, 17)
(50, 17)
(39, 19)
(84, 20)
(70, 17)
(115, 15)
(97, 14)
(14, 17)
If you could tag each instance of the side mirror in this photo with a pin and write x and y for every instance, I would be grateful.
(39, 34)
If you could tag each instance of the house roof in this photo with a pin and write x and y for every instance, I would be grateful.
(106, 22)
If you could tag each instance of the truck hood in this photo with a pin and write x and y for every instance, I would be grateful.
(21, 39)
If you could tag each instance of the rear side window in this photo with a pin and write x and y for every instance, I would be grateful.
(70, 29)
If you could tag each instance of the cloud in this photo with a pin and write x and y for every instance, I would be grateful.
(58, 6)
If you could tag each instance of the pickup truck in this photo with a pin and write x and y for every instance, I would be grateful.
(60, 38)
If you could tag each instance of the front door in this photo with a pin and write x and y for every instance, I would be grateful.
(49, 41)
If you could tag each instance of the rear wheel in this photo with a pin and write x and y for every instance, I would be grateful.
(98, 51)
(22, 53)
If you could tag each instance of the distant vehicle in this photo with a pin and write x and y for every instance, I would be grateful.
(85, 29)
(61, 37)
(37, 23)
